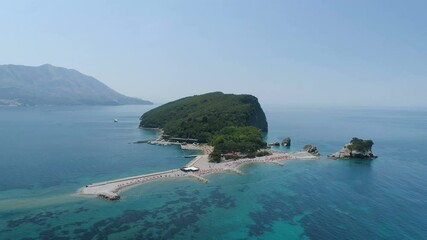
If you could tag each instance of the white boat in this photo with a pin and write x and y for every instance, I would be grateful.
(116, 120)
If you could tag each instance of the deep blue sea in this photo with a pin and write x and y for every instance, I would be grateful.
(48, 153)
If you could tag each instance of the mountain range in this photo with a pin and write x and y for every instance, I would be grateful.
(50, 85)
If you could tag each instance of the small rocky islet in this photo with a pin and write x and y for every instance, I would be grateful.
(311, 149)
(286, 142)
(356, 148)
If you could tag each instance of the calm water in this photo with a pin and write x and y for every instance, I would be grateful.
(47, 153)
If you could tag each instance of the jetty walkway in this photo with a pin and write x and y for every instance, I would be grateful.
(110, 189)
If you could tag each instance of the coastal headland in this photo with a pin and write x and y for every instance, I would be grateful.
(112, 188)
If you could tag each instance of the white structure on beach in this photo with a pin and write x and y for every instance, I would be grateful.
(192, 169)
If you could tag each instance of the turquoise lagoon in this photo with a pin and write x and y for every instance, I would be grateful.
(48, 153)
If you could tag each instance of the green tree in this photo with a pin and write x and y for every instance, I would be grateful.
(360, 145)
(244, 140)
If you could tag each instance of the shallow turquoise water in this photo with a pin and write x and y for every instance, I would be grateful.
(47, 153)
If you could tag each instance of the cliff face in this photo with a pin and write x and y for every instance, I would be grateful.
(357, 148)
(202, 116)
(255, 116)
(50, 85)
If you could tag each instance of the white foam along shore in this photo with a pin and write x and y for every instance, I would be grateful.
(111, 189)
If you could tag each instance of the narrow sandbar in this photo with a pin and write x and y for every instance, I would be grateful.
(110, 189)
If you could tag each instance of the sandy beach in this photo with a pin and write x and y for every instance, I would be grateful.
(111, 189)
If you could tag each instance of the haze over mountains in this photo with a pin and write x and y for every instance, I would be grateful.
(50, 85)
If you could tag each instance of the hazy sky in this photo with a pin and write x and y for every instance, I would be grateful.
(358, 53)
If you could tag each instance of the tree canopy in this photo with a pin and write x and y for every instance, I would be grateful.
(242, 140)
(202, 116)
(360, 145)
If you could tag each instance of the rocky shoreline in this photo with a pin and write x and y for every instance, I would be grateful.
(356, 149)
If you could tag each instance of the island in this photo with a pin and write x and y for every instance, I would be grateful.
(202, 116)
(357, 148)
(231, 123)
(226, 128)
(51, 85)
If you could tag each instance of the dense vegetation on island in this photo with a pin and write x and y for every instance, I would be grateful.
(50, 85)
(201, 117)
(231, 123)
(238, 142)
(360, 145)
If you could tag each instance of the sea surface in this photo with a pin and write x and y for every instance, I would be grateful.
(48, 153)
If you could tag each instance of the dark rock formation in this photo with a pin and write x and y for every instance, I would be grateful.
(274, 144)
(357, 148)
(286, 142)
(311, 149)
(109, 196)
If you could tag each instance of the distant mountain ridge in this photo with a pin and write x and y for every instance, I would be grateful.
(50, 85)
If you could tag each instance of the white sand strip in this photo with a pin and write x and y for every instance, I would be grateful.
(110, 189)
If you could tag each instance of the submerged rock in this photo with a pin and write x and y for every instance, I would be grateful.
(286, 142)
(109, 196)
(357, 148)
(311, 149)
